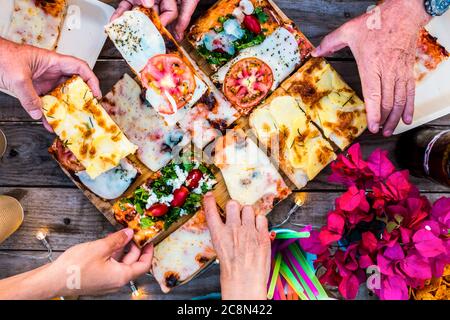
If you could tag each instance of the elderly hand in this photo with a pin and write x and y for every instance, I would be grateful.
(383, 42)
(29, 72)
(169, 11)
(243, 248)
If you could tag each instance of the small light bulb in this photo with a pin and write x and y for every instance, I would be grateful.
(41, 235)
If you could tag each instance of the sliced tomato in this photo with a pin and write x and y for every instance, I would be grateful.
(193, 178)
(170, 77)
(157, 210)
(248, 82)
(252, 24)
(179, 197)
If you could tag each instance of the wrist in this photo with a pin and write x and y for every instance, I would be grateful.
(243, 289)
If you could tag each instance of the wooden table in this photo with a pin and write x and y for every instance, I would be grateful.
(51, 201)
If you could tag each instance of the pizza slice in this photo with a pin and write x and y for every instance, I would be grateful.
(429, 54)
(250, 177)
(174, 192)
(157, 141)
(183, 254)
(168, 76)
(295, 143)
(109, 185)
(37, 23)
(85, 128)
(328, 101)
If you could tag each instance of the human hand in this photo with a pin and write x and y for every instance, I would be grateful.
(29, 72)
(384, 43)
(101, 265)
(243, 248)
(168, 12)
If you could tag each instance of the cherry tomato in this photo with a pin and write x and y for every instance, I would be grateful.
(169, 75)
(179, 197)
(157, 210)
(252, 24)
(248, 82)
(193, 178)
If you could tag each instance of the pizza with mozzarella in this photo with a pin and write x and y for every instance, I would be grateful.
(429, 54)
(176, 191)
(85, 128)
(37, 22)
(183, 254)
(295, 143)
(328, 101)
(250, 177)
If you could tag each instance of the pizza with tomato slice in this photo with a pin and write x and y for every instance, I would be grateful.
(37, 22)
(249, 175)
(176, 191)
(183, 254)
(165, 72)
(429, 54)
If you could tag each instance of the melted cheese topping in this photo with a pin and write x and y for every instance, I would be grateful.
(246, 169)
(282, 126)
(328, 101)
(279, 51)
(142, 125)
(183, 253)
(36, 23)
(85, 127)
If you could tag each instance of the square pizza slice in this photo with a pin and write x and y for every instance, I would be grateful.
(328, 101)
(37, 22)
(157, 141)
(249, 175)
(183, 254)
(85, 128)
(295, 143)
(165, 200)
(168, 76)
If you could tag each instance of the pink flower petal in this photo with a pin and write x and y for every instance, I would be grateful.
(349, 287)
(427, 244)
(380, 165)
(393, 288)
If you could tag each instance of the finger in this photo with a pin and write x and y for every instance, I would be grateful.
(398, 108)
(148, 3)
(71, 65)
(187, 9)
(212, 215)
(387, 97)
(262, 224)
(233, 212)
(168, 11)
(122, 7)
(47, 125)
(132, 255)
(248, 216)
(28, 97)
(144, 264)
(333, 42)
(371, 85)
(116, 241)
(408, 114)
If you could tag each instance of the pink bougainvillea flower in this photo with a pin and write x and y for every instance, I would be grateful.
(369, 242)
(393, 288)
(313, 243)
(334, 229)
(441, 211)
(428, 244)
(349, 286)
(416, 267)
(388, 259)
(380, 165)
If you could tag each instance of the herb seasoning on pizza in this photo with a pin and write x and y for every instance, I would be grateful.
(156, 205)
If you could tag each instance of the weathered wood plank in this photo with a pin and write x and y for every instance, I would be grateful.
(207, 282)
(70, 218)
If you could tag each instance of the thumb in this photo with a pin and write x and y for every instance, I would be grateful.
(116, 241)
(28, 97)
(333, 42)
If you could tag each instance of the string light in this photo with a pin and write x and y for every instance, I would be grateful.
(134, 290)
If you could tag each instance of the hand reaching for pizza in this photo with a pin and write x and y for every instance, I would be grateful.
(243, 248)
(168, 10)
(29, 72)
(383, 42)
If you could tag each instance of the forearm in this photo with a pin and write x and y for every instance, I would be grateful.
(37, 284)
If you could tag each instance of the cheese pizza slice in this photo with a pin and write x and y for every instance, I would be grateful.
(330, 103)
(250, 177)
(158, 142)
(85, 128)
(37, 22)
(169, 78)
(183, 254)
(293, 140)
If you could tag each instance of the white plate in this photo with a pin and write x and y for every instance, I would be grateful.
(433, 92)
(82, 35)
